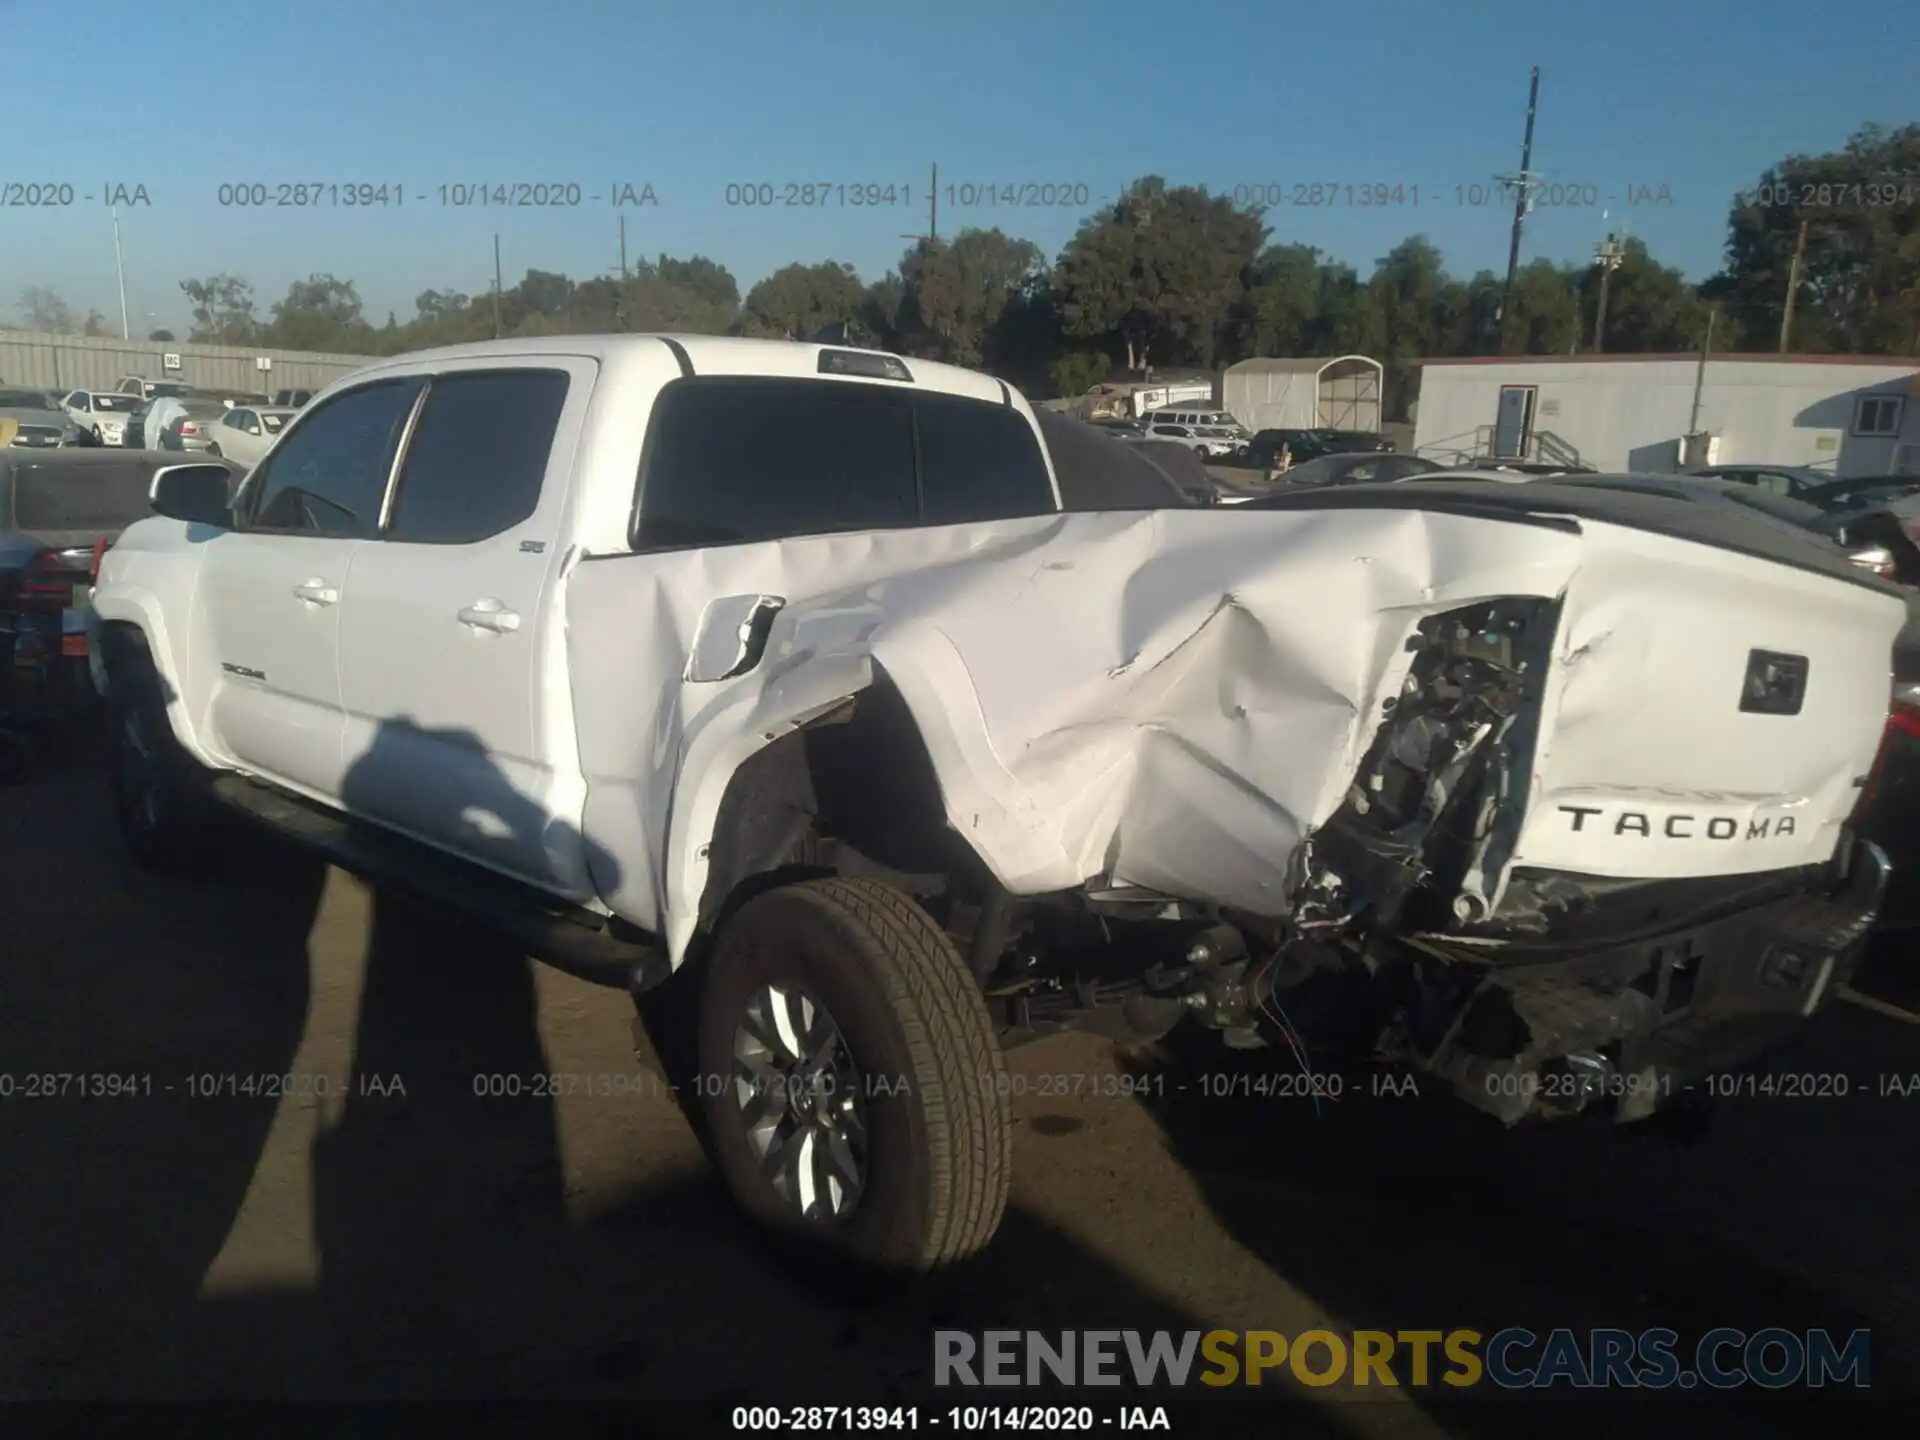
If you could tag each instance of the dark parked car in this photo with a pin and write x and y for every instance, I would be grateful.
(1539, 469)
(1362, 467)
(1097, 472)
(1311, 444)
(1889, 810)
(59, 511)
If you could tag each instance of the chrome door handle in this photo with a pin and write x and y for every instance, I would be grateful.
(490, 615)
(316, 592)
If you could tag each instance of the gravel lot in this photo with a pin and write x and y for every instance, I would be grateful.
(438, 1243)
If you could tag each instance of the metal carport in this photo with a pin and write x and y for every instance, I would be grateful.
(1304, 393)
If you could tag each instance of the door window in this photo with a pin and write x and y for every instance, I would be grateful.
(477, 459)
(329, 477)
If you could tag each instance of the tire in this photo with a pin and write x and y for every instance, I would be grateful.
(158, 790)
(98, 438)
(928, 1079)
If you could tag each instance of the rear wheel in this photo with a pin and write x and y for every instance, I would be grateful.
(158, 790)
(850, 1081)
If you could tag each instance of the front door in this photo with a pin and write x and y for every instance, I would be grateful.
(1513, 422)
(268, 602)
(451, 731)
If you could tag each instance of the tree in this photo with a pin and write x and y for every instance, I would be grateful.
(319, 313)
(1859, 288)
(45, 310)
(797, 300)
(1277, 313)
(1078, 371)
(1159, 272)
(706, 279)
(95, 325)
(222, 310)
(961, 288)
(161, 337)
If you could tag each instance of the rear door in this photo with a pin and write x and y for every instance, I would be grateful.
(267, 609)
(450, 729)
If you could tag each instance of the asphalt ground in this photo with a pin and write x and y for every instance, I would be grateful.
(376, 1227)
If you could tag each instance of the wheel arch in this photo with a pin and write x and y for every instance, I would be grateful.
(136, 619)
(751, 792)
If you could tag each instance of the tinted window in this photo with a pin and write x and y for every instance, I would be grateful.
(24, 400)
(978, 461)
(236, 420)
(80, 497)
(731, 460)
(329, 476)
(478, 457)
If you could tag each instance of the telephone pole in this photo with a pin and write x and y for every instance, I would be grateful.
(620, 295)
(1609, 255)
(932, 237)
(1793, 287)
(1522, 201)
(496, 286)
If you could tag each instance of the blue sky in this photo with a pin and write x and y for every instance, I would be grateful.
(689, 96)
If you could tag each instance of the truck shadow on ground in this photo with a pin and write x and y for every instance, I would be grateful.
(1401, 1211)
(445, 1262)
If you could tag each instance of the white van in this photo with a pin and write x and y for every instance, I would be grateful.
(1203, 428)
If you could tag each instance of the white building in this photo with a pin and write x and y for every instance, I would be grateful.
(1854, 415)
(1340, 392)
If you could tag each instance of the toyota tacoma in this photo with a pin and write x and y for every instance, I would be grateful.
(774, 683)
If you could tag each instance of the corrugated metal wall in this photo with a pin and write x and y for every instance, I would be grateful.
(73, 362)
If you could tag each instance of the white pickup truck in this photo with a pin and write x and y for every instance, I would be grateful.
(774, 682)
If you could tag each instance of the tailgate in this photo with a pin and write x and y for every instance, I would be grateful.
(1653, 761)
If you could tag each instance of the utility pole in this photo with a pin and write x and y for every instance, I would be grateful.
(496, 286)
(1609, 255)
(120, 270)
(1793, 287)
(932, 237)
(1522, 200)
(1700, 373)
(620, 297)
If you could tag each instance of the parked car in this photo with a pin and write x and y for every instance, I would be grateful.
(1889, 810)
(245, 432)
(906, 765)
(58, 510)
(193, 427)
(1207, 440)
(1263, 448)
(42, 423)
(151, 389)
(292, 399)
(100, 415)
(1094, 473)
(1357, 467)
(1504, 469)
(1792, 481)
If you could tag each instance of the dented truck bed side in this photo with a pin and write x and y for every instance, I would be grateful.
(1182, 700)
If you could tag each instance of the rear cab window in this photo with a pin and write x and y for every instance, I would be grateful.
(736, 459)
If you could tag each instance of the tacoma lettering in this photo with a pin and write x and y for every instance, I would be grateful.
(1682, 827)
